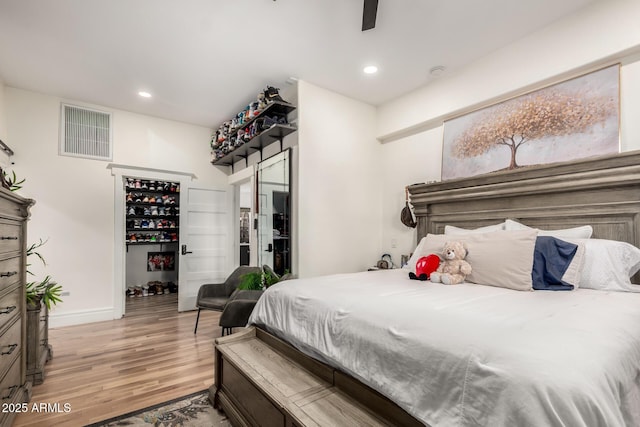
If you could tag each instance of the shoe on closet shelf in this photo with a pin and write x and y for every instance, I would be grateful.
(145, 290)
(152, 199)
(154, 210)
(151, 224)
(146, 211)
(152, 185)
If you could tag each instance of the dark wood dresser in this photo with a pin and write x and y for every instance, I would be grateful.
(14, 388)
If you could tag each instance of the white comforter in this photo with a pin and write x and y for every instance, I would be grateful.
(470, 355)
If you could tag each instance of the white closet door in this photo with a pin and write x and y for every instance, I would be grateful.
(204, 242)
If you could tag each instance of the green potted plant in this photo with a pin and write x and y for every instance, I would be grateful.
(258, 281)
(41, 296)
(47, 290)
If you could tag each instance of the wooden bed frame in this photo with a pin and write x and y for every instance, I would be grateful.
(603, 192)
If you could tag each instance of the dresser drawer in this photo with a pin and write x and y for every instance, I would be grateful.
(10, 237)
(9, 271)
(11, 383)
(9, 304)
(10, 346)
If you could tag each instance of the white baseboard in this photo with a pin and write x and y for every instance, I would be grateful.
(80, 317)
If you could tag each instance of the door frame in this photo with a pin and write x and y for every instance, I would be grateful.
(292, 201)
(119, 172)
(246, 175)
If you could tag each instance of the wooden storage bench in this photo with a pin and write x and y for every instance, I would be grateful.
(261, 380)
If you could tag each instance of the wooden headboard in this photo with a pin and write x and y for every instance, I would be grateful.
(603, 192)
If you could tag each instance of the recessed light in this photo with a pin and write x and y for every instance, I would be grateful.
(370, 69)
(144, 94)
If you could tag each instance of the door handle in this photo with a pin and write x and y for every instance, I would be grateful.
(269, 247)
(185, 251)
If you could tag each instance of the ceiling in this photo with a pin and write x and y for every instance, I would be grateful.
(204, 60)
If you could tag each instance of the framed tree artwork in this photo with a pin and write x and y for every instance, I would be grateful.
(570, 120)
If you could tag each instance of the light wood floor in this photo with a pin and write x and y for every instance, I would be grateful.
(106, 369)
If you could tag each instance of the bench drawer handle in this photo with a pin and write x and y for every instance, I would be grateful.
(8, 273)
(8, 238)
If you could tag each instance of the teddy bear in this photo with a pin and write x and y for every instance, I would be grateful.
(453, 269)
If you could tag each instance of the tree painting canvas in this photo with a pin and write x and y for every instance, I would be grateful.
(574, 119)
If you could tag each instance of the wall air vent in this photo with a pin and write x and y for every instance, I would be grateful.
(85, 132)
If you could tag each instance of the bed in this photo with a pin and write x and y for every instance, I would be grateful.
(486, 354)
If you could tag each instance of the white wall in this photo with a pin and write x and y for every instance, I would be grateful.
(602, 34)
(3, 118)
(75, 197)
(339, 205)
(411, 160)
(4, 157)
(598, 35)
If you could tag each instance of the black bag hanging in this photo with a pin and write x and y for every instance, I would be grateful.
(406, 216)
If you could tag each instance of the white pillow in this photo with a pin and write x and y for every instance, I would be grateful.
(583, 232)
(415, 256)
(451, 230)
(499, 258)
(608, 265)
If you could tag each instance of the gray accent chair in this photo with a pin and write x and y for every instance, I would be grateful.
(237, 311)
(240, 306)
(214, 296)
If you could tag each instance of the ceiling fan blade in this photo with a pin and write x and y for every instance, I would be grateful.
(369, 13)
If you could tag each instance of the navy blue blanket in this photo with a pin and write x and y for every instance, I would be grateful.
(551, 259)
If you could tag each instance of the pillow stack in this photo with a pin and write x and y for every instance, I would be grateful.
(514, 256)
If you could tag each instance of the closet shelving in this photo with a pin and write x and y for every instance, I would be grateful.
(152, 212)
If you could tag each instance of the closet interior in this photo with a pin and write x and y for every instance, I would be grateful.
(152, 234)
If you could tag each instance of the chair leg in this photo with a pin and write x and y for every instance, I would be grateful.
(197, 319)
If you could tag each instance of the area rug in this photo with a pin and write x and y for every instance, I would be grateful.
(194, 410)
